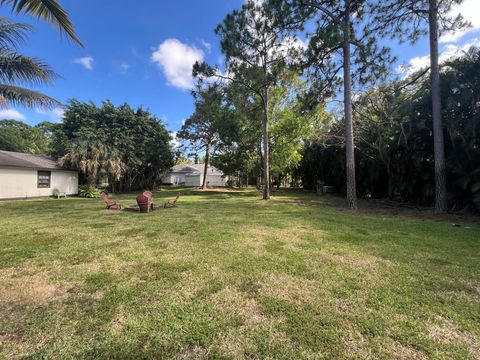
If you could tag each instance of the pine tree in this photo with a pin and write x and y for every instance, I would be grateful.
(257, 46)
(409, 20)
(340, 25)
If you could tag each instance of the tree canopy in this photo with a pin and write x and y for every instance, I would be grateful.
(133, 137)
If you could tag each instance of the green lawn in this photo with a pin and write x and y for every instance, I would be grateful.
(228, 276)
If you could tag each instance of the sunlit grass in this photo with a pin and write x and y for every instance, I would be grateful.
(227, 275)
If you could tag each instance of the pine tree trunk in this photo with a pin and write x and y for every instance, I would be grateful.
(266, 150)
(347, 83)
(438, 141)
(205, 169)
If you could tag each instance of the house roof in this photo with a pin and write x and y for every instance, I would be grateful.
(22, 160)
(194, 169)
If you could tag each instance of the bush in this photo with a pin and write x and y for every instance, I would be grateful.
(88, 191)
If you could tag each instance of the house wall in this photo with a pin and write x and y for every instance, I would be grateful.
(174, 179)
(22, 183)
(216, 180)
(192, 180)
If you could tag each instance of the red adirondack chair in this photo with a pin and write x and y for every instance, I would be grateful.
(148, 194)
(145, 203)
(172, 202)
(109, 204)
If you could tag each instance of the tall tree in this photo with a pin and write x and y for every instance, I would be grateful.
(19, 69)
(340, 25)
(134, 136)
(256, 47)
(408, 20)
(201, 129)
(48, 10)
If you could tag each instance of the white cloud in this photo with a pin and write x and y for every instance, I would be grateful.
(124, 67)
(55, 115)
(470, 10)
(207, 46)
(174, 142)
(11, 114)
(86, 62)
(176, 59)
(449, 51)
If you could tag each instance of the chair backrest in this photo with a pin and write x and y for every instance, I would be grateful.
(105, 196)
(144, 203)
(148, 194)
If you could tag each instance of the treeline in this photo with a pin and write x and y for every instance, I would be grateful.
(394, 140)
(120, 146)
(225, 130)
(20, 137)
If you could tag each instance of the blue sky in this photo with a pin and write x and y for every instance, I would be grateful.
(141, 52)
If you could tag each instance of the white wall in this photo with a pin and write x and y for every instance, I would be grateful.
(174, 179)
(217, 180)
(22, 183)
(192, 180)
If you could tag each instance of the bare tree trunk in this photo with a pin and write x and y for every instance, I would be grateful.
(347, 84)
(438, 141)
(266, 146)
(205, 169)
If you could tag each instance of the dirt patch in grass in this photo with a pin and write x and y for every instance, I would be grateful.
(398, 351)
(443, 331)
(289, 288)
(18, 288)
(356, 345)
(194, 352)
(236, 304)
(362, 261)
(291, 238)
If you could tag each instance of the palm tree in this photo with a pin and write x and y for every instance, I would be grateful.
(17, 69)
(92, 156)
(48, 10)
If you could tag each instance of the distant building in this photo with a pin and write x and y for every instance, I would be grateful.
(26, 176)
(192, 175)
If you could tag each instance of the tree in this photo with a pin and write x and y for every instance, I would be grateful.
(239, 149)
(48, 10)
(16, 68)
(340, 25)
(393, 124)
(134, 136)
(86, 156)
(290, 124)
(201, 129)
(409, 19)
(20, 137)
(256, 47)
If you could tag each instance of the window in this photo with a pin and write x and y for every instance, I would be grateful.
(43, 179)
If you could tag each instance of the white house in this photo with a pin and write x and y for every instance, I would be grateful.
(192, 175)
(26, 175)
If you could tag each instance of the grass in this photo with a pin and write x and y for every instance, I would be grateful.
(228, 276)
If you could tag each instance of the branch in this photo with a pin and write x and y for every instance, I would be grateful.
(327, 12)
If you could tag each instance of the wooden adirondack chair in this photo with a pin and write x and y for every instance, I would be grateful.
(148, 194)
(145, 203)
(109, 204)
(172, 202)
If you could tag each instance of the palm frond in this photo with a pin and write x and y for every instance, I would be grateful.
(48, 10)
(16, 68)
(12, 34)
(17, 96)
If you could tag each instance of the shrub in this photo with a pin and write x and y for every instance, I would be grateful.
(88, 191)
